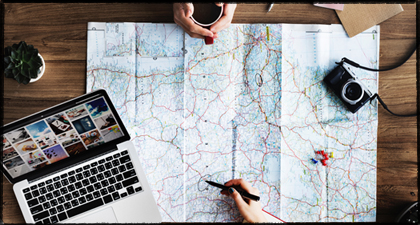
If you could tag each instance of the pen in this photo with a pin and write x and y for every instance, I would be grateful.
(243, 193)
(271, 6)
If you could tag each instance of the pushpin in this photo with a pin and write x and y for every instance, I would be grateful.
(332, 155)
(322, 152)
(325, 157)
(314, 161)
(324, 163)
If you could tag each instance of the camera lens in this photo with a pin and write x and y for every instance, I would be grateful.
(352, 92)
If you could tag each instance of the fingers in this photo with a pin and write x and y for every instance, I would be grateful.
(238, 198)
(225, 20)
(182, 14)
(243, 184)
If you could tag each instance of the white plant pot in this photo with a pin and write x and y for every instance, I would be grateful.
(42, 70)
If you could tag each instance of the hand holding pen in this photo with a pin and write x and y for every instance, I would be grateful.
(250, 210)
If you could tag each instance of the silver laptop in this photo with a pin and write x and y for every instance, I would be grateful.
(75, 163)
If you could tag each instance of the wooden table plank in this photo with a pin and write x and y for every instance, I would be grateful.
(59, 31)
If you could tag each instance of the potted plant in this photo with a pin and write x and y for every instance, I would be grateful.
(23, 63)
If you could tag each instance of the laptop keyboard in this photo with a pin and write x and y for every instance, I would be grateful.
(84, 188)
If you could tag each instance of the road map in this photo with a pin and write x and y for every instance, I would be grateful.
(252, 105)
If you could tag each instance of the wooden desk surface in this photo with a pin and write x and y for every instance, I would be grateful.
(59, 32)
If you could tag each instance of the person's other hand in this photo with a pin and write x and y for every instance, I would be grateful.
(250, 210)
(225, 20)
(182, 14)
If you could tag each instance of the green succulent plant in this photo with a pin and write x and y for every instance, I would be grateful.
(21, 62)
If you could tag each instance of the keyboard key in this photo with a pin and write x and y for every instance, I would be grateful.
(117, 155)
(43, 190)
(54, 202)
(119, 177)
(48, 181)
(53, 211)
(100, 176)
(67, 205)
(26, 190)
(130, 190)
(54, 219)
(109, 158)
(70, 188)
(34, 187)
(86, 167)
(74, 203)
(130, 181)
(47, 205)
(42, 184)
(78, 170)
(71, 173)
(61, 200)
(36, 209)
(28, 196)
(93, 180)
(138, 189)
(64, 182)
(50, 188)
(124, 159)
(96, 194)
(124, 152)
(78, 185)
(63, 191)
(57, 185)
(121, 168)
(101, 161)
(85, 207)
(33, 202)
(129, 165)
(107, 199)
(68, 197)
(115, 162)
(89, 197)
(63, 176)
(82, 200)
(118, 186)
(41, 215)
(94, 164)
(107, 174)
(72, 179)
(97, 186)
(111, 189)
(75, 194)
(86, 173)
(35, 193)
(104, 183)
(41, 199)
(112, 180)
(49, 196)
(79, 176)
(85, 182)
(115, 196)
(62, 216)
(123, 194)
(82, 191)
(60, 208)
(114, 171)
(56, 178)
(93, 171)
(56, 193)
(104, 191)
(108, 165)
(90, 188)
(101, 168)
(129, 173)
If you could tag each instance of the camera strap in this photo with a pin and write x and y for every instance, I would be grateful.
(352, 63)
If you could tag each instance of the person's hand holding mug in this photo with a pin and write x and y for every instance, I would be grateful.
(183, 13)
(250, 210)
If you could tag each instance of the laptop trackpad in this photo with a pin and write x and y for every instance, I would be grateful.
(103, 216)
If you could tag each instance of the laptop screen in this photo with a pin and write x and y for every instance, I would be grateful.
(58, 135)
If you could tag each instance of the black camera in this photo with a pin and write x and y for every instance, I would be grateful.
(348, 88)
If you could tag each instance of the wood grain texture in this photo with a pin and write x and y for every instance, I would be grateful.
(59, 31)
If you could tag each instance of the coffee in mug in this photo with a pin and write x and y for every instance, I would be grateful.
(205, 15)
